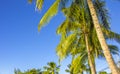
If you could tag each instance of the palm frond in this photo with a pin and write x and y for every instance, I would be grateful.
(62, 29)
(111, 35)
(102, 13)
(67, 27)
(79, 63)
(52, 11)
(113, 49)
(64, 47)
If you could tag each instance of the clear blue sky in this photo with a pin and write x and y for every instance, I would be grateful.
(22, 46)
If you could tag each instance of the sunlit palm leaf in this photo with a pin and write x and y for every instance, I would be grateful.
(63, 49)
(49, 14)
(66, 28)
(78, 64)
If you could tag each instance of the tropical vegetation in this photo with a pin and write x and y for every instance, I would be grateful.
(84, 35)
(51, 68)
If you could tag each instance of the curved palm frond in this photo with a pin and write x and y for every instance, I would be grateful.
(79, 63)
(111, 35)
(67, 27)
(114, 49)
(64, 47)
(52, 11)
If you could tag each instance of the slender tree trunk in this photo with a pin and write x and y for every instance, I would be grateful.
(92, 67)
(102, 40)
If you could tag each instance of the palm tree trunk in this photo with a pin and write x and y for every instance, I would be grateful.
(92, 67)
(102, 40)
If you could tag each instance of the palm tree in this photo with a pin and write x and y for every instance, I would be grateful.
(101, 38)
(79, 49)
(66, 25)
(81, 17)
(52, 68)
(53, 10)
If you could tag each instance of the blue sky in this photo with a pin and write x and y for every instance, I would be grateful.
(23, 47)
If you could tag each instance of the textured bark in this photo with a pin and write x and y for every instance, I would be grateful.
(92, 67)
(102, 40)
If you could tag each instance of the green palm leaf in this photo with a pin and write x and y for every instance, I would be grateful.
(102, 13)
(63, 49)
(49, 14)
(114, 49)
(78, 63)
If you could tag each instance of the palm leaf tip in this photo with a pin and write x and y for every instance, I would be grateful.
(39, 4)
(30, 1)
(39, 27)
